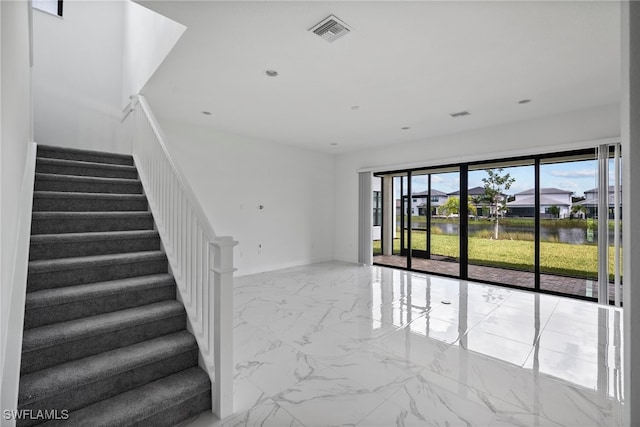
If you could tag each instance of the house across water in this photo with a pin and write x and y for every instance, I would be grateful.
(554, 203)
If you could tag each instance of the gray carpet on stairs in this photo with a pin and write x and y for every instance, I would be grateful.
(104, 338)
(53, 246)
(83, 222)
(86, 184)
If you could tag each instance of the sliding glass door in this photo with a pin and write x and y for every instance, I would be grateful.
(549, 222)
(431, 222)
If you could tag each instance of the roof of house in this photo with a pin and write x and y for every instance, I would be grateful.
(475, 191)
(434, 192)
(593, 202)
(531, 201)
(545, 190)
(595, 190)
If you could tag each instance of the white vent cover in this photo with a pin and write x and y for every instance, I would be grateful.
(330, 28)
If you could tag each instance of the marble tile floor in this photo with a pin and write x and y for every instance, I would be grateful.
(337, 344)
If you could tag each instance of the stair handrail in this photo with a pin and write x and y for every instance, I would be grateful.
(141, 100)
(200, 260)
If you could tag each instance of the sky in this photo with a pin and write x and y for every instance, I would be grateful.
(578, 177)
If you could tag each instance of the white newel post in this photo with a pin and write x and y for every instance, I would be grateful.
(221, 262)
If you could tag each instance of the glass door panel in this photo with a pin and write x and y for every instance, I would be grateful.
(389, 206)
(502, 223)
(376, 223)
(444, 222)
(401, 219)
(615, 225)
(569, 235)
(419, 206)
(435, 238)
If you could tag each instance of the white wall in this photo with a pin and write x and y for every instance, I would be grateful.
(232, 176)
(15, 125)
(77, 76)
(148, 39)
(548, 134)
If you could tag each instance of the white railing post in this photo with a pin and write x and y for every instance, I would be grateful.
(221, 264)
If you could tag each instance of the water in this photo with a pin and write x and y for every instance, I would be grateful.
(575, 236)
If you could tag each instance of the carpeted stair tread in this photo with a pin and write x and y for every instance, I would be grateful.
(50, 265)
(97, 236)
(88, 179)
(74, 222)
(77, 373)
(82, 164)
(49, 306)
(56, 201)
(76, 195)
(50, 335)
(71, 271)
(49, 297)
(49, 151)
(67, 245)
(51, 201)
(91, 184)
(141, 405)
(126, 215)
(80, 168)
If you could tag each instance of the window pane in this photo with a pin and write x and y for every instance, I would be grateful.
(502, 223)
(569, 235)
(377, 208)
(445, 222)
(50, 6)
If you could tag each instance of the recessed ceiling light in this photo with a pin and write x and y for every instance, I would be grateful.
(524, 101)
(460, 114)
(206, 113)
(406, 128)
(355, 107)
(271, 73)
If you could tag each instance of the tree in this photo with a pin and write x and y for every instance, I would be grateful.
(478, 201)
(579, 210)
(494, 186)
(452, 206)
(554, 210)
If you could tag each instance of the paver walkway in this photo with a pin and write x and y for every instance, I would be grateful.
(525, 279)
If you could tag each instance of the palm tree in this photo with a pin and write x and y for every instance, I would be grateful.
(579, 210)
(452, 206)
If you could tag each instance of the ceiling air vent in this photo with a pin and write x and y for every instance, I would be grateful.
(330, 28)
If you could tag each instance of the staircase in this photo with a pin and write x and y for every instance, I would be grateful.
(104, 337)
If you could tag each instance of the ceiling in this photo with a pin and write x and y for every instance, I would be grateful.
(404, 64)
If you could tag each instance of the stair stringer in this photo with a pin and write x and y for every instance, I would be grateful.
(12, 346)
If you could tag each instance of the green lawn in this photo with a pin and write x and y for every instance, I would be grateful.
(559, 258)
